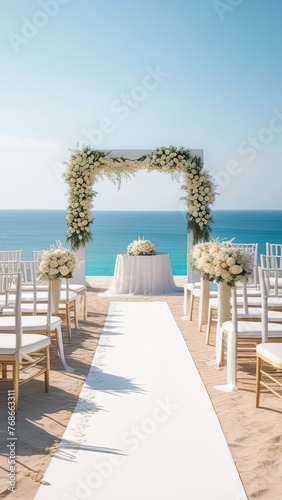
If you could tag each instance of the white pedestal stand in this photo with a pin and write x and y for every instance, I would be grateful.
(79, 273)
(192, 276)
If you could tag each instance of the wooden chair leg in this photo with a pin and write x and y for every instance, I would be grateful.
(4, 371)
(76, 315)
(68, 320)
(185, 300)
(191, 303)
(208, 333)
(16, 375)
(84, 306)
(47, 368)
(211, 319)
(258, 379)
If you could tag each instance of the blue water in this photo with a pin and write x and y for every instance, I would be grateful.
(113, 231)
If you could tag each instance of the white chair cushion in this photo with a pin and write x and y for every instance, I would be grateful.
(252, 329)
(256, 312)
(29, 323)
(42, 296)
(30, 343)
(75, 288)
(271, 351)
(256, 301)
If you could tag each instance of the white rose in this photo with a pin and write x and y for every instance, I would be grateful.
(53, 264)
(218, 271)
(64, 270)
(230, 261)
(52, 272)
(235, 269)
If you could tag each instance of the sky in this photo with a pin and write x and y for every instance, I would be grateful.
(134, 75)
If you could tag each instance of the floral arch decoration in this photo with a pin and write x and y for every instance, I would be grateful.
(86, 165)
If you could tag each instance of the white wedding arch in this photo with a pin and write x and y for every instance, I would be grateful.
(86, 165)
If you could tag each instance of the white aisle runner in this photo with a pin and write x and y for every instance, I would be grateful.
(144, 427)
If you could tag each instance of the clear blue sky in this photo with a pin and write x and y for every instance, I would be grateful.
(201, 74)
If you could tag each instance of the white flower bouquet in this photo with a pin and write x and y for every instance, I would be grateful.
(220, 262)
(82, 168)
(169, 158)
(141, 247)
(56, 263)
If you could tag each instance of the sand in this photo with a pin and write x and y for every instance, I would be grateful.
(253, 435)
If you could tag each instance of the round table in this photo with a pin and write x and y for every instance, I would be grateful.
(143, 275)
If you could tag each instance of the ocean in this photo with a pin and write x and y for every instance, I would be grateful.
(113, 231)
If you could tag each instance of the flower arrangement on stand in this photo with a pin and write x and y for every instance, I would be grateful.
(141, 247)
(56, 263)
(220, 262)
(223, 264)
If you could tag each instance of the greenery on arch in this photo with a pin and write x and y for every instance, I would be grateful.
(86, 165)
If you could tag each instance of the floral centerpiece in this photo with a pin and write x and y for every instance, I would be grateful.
(141, 247)
(169, 158)
(220, 262)
(56, 263)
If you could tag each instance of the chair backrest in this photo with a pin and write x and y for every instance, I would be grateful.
(273, 249)
(29, 280)
(273, 276)
(10, 255)
(272, 262)
(273, 256)
(271, 287)
(28, 271)
(10, 289)
(268, 288)
(10, 266)
(37, 254)
(248, 247)
(242, 287)
(251, 248)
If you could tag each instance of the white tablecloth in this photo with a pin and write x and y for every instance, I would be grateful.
(143, 275)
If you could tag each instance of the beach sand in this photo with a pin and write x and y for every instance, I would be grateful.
(253, 435)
